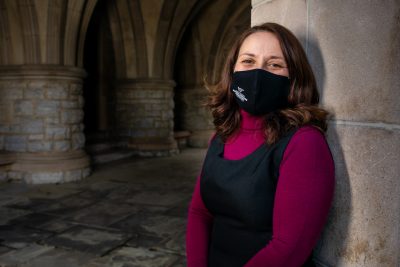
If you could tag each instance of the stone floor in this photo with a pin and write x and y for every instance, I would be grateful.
(127, 213)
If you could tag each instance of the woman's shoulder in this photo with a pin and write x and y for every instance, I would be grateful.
(306, 139)
(308, 132)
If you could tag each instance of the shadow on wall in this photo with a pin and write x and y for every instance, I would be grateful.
(331, 246)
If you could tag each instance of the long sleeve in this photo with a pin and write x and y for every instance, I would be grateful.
(198, 230)
(302, 201)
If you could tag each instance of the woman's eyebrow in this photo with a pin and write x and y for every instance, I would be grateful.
(247, 54)
(274, 57)
(253, 55)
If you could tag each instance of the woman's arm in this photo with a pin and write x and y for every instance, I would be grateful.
(302, 201)
(198, 230)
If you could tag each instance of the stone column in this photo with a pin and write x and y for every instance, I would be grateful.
(353, 47)
(144, 115)
(196, 117)
(41, 128)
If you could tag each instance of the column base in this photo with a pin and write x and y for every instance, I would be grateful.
(153, 146)
(46, 167)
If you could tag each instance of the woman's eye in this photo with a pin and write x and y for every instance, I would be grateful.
(247, 61)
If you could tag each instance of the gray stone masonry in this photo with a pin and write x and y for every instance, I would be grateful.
(41, 113)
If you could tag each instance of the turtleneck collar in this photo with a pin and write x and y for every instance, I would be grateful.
(251, 122)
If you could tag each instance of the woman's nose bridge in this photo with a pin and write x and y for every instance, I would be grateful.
(261, 64)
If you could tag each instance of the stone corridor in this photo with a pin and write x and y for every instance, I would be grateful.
(126, 213)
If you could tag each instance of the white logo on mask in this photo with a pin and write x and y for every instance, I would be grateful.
(239, 94)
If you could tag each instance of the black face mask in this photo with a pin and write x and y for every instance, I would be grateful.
(258, 91)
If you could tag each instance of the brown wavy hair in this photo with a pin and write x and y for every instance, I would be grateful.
(303, 98)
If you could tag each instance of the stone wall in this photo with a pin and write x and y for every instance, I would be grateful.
(353, 47)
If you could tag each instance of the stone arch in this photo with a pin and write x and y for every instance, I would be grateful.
(236, 20)
(171, 28)
(129, 41)
(46, 32)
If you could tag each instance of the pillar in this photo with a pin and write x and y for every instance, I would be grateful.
(144, 115)
(353, 47)
(41, 126)
(196, 117)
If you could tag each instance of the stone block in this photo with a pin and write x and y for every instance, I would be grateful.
(47, 108)
(34, 93)
(35, 137)
(156, 94)
(53, 120)
(75, 89)
(33, 85)
(81, 101)
(39, 146)
(4, 128)
(17, 143)
(86, 172)
(15, 128)
(32, 126)
(57, 91)
(15, 175)
(72, 116)
(70, 104)
(13, 93)
(78, 141)
(3, 176)
(44, 177)
(74, 175)
(63, 145)
(364, 217)
(6, 112)
(57, 132)
(23, 107)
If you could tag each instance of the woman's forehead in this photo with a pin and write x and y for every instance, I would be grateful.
(261, 44)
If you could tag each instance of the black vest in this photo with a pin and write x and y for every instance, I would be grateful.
(240, 195)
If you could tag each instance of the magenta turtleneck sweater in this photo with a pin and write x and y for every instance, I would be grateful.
(302, 201)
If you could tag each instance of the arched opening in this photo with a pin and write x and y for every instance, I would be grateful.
(98, 93)
(201, 53)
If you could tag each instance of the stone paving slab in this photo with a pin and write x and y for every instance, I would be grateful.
(23, 256)
(135, 257)
(3, 250)
(103, 213)
(174, 244)
(89, 240)
(65, 206)
(57, 225)
(152, 224)
(157, 198)
(145, 241)
(8, 214)
(18, 237)
(32, 220)
(53, 191)
(58, 257)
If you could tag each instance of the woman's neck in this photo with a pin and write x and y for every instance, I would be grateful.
(251, 122)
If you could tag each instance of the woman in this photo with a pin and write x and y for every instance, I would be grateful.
(267, 181)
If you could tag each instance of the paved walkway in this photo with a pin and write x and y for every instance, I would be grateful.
(127, 213)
